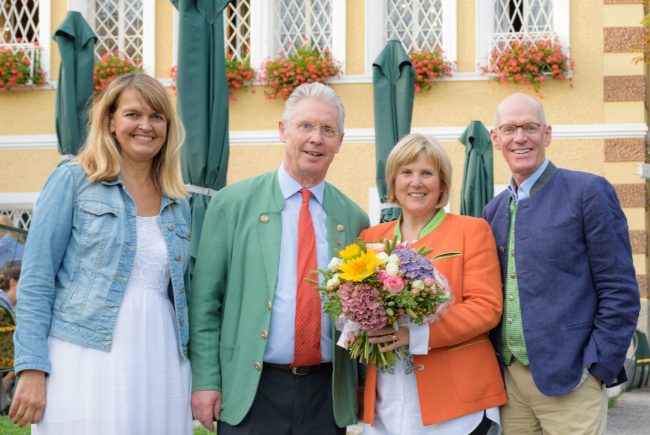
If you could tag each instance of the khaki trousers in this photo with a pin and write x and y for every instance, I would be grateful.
(582, 411)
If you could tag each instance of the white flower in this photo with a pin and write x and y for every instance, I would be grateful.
(418, 284)
(392, 268)
(335, 263)
(333, 282)
(383, 257)
(394, 259)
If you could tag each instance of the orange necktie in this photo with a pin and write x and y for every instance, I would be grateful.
(307, 325)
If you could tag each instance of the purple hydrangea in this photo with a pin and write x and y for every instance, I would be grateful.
(413, 265)
(362, 303)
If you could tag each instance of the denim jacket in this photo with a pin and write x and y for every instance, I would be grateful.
(78, 258)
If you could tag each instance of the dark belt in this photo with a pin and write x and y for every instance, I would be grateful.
(300, 371)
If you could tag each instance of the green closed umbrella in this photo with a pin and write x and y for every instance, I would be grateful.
(202, 103)
(478, 180)
(76, 41)
(393, 84)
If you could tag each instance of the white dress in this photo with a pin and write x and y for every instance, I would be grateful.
(143, 385)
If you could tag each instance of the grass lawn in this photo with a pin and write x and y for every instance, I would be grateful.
(8, 428)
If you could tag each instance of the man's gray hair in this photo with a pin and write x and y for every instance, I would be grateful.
(314, 90)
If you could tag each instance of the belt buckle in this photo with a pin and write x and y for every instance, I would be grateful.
(296, 371)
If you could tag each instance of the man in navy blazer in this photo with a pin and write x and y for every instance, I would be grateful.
(571, 300)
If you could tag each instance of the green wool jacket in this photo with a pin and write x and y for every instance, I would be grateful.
(233, 285)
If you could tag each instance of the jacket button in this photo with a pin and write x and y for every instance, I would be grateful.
(264, 218)
(420, 367)
(264, 335)
(340, 228)
(170, 227)
(269, 305)
(178, 257)
(257, 366)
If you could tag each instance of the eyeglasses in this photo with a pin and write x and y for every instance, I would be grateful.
(529, 129)
(308, 127)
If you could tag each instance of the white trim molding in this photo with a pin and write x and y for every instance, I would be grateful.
(45, 36)
(149, 38)
(18, 200)
(367, 135)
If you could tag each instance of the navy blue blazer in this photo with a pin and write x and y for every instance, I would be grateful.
(577, 287)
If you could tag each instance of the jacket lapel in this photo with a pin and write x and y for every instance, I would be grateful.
(337, 222)
(269, 229)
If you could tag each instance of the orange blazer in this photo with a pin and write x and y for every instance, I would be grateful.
(460, 374)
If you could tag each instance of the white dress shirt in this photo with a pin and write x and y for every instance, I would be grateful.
(281, 332)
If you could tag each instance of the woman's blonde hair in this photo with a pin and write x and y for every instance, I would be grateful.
(407, 151)
(100, 156)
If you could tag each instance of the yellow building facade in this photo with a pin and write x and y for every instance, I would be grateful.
(599, 117)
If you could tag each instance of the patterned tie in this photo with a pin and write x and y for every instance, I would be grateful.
(307, 326)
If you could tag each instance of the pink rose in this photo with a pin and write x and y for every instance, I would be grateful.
(393, 283)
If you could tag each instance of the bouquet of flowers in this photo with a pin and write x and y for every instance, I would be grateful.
(372, 285)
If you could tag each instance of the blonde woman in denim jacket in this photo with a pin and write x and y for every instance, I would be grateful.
(101, 342)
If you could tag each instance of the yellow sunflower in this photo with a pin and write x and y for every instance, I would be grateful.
(350, 251)
(361, 267)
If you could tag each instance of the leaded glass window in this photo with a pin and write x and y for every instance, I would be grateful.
(19, 21)
(303, 21)
(118, 25)
(416, 23)
(237, 29)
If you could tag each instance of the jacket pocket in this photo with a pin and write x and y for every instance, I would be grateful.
(97, 218)
(182, 243)
(475, 370)
(579, 326)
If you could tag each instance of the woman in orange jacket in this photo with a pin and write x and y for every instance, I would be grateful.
(450, 381)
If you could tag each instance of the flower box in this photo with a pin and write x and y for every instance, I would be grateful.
(429, 66)
(529, 62)
(20, 66)
(306, 65)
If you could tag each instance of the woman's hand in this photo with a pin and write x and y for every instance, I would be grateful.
(28, 404)
(389, 335)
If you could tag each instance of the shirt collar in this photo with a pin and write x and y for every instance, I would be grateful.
(523, 191)
(435, 221)
(289, 186)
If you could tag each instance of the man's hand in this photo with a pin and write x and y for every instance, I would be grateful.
(206, 407)
(28, 404)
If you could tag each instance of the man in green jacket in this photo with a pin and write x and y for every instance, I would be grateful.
(256, 366)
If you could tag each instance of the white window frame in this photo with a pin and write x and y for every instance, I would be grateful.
(148, 30)
(263, 27)
(485, 18)
(376, 39)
